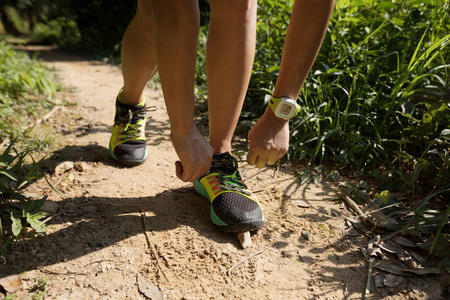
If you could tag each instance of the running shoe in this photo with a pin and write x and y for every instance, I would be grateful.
(234, 208)
(127, 145)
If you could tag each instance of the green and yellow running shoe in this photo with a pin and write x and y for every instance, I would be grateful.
(233, 206)
(127, 144)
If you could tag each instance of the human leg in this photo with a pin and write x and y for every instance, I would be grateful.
(127, 144)
(230, 51)
(138, 54)
(229, 59)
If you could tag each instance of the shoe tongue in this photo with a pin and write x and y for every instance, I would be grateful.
(223, 163)
(130, 107)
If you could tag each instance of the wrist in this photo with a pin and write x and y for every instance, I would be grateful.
(270, 115)
(182, 128)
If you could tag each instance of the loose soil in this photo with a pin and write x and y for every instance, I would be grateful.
(96, 246)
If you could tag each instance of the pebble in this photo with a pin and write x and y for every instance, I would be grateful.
(90, 209)
(306, 235)
(50, 207)
(64, 167)
(245, 239)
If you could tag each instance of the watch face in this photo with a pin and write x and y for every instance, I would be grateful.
(286, 109)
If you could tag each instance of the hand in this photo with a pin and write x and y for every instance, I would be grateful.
(194, 152)
(269, 140)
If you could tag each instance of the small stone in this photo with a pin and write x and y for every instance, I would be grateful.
(306, 235)
(82, 166)
(50, 207)
(64, 167)
(90, 209)
(245, 239)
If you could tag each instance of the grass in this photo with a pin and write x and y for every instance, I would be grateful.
(376, 103)
(26, 93)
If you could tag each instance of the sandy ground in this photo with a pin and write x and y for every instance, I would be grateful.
(96, 246)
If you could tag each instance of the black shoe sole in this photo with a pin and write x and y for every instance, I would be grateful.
(243, 227)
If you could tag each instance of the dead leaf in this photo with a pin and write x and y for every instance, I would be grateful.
(149, 290)
(300, 203)
(384, 246)
(11, 284)
(405, 242)
(364, 252)
(395, 268)
(372, 247)
(392, 280)
(379, 280)
(419, 258)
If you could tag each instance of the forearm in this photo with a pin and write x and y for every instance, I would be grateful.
(306, 31)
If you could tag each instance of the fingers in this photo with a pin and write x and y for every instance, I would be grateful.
(179, 169)
(252, 156)
(261, 162)
(272, 159)
(188, 171)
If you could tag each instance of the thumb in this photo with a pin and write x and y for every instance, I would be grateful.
(179, 168)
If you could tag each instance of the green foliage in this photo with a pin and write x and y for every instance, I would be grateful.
(427, 221)
(26, 88)
(18, 23)
(378, 92)
(21, 74)
(60, 31)
(18, 212)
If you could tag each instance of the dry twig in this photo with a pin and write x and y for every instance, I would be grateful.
(44, 118)
(369, 274)
(60, 273)
(346, 293)
(232, 268)
(150, 245)
(355, 207)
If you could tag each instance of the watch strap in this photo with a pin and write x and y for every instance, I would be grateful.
(273, 103)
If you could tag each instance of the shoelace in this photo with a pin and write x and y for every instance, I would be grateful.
(231, 181)
(132, 117)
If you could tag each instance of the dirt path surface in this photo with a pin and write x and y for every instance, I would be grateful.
(96, 248)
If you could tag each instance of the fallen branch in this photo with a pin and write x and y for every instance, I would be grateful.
(346, 292)
(60, 273)
(355, 207)
(44, 118)
(232, 268)
(369, 274)
(150, 245)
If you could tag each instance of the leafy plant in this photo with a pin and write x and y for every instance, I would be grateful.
(377, 94)
(18, 212)
(59, 31)
(26, 90)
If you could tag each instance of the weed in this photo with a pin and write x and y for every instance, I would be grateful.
(26, 91)
(18, 212)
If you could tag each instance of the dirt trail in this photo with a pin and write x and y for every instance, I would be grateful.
(96, 247)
